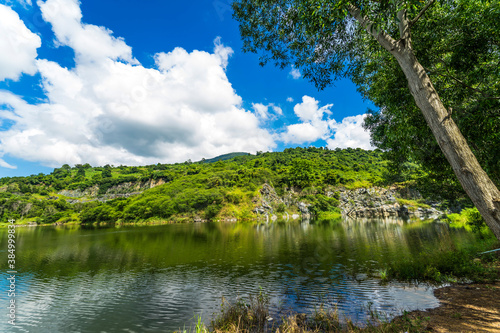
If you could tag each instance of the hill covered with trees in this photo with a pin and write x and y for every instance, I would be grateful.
(234, 186)
(207, 189)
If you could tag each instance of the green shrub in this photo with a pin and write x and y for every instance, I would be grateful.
(474, 219)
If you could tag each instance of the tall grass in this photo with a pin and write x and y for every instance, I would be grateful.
(253, 316)
(448, 264)
(241, 316)
(198, 328)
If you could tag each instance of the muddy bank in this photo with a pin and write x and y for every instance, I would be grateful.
(464, 308)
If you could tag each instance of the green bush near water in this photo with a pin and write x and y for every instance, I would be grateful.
(448, 264)
(252, 316)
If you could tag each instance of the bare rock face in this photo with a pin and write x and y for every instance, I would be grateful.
(304, 209)
(371, 202)
(381, 202)
(89, 192)
(122, 190)
(270, 195)
(269, 198)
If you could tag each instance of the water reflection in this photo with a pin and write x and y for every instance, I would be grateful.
(156, 278)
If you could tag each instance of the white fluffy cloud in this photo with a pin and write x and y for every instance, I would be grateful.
(295, 73)
(350, 133)
(18, 46)
(309, 110)
(304, 132)
(315, 125)
(111, 109)
(90, 42)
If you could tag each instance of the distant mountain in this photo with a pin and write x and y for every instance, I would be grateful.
(223, 157)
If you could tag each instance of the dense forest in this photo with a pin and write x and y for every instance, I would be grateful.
(223, 186)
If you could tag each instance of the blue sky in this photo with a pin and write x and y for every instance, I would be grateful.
(143, 82)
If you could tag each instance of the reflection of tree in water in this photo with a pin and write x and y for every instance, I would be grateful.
(322, 247)
(297, 264)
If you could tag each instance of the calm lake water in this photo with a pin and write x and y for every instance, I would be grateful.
(157, 278)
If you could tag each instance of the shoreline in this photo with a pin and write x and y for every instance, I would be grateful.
(140, 224)
(471, 307)
(182, 220)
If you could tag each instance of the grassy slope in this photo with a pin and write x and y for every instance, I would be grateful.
(206, 190)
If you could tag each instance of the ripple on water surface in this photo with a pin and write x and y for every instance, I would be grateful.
(155, 279)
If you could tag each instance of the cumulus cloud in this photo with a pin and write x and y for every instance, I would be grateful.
(109, 109)
(316, 124)
(90, 42)
(350, 133)
(18, 46)
(309, 110)
(295, 73)
(313, 126)
(304, 132)
(277, 110)
(266, 112)
(289, 99)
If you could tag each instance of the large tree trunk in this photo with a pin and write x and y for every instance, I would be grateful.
(474, 180)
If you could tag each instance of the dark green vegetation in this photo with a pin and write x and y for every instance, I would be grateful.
(457, 48)
(253, 315)
(410, 47)
(189, 190)
(450, 263)
(224, 157)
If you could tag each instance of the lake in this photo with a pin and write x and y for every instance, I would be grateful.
(157, 278)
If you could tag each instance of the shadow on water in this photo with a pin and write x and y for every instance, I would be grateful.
(156, 278)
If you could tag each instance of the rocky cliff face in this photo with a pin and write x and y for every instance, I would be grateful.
(89, 192)
(362, 202)
(382, 202)
(121, 190)
(269, 202)
(269, 199)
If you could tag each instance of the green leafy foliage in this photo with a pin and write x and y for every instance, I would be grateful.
(458, 44)
(449, 51)
(318, 36)
(474, 219)
(190, 190)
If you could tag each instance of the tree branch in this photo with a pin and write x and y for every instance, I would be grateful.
(381, 36)
(485, 96)
(404, 28)
(412, 22)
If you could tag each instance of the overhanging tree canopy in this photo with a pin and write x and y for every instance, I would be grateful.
(457, 49)
(329, 39)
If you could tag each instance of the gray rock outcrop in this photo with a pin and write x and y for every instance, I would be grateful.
(382, 202)
(269, 198)
(122, 190)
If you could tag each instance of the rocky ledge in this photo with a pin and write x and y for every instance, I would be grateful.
(383, 202)
(374, 202)
(121, 190)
